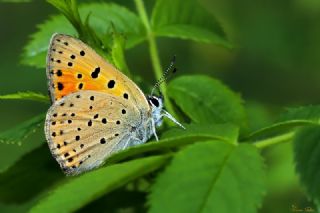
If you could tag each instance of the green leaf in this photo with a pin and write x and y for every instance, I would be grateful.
(206, 100)
(79, 191)
(307, 160)
(34, 173)
(20, 132)
(69, 8)
(34, 53)
(306, 113)
(124, 21)
(211, 177)
(289, 121)
(62, 5)
(117, 53)
(224, 132)
(179, 137)
(173, 19)
(33, 96)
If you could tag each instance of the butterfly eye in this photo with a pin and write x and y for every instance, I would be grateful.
(155, 102)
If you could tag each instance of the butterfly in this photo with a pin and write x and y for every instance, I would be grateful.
(96, 109)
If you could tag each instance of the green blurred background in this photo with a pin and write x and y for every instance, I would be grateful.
(274, 65)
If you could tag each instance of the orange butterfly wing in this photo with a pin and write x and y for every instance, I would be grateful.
(73, 66)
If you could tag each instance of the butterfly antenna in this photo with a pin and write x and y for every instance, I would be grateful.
(165, 75)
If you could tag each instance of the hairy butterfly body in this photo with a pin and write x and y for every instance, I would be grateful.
(96, 109)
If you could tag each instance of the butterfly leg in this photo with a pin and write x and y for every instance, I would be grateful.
(153, 126)
(168, 115)
(127, 143)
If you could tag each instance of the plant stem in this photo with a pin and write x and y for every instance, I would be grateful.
(275, 140)
(154, 53)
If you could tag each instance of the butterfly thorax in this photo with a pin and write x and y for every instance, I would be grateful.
(145, 130)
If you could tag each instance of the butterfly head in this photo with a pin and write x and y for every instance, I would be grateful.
(156, 105)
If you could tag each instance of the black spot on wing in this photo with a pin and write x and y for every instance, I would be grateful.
(103, 141)
(126, 96)
(59, 73)
(95, 73)
(60, 86)
(111, 84)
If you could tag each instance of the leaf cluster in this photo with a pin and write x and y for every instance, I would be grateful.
(215, 165)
